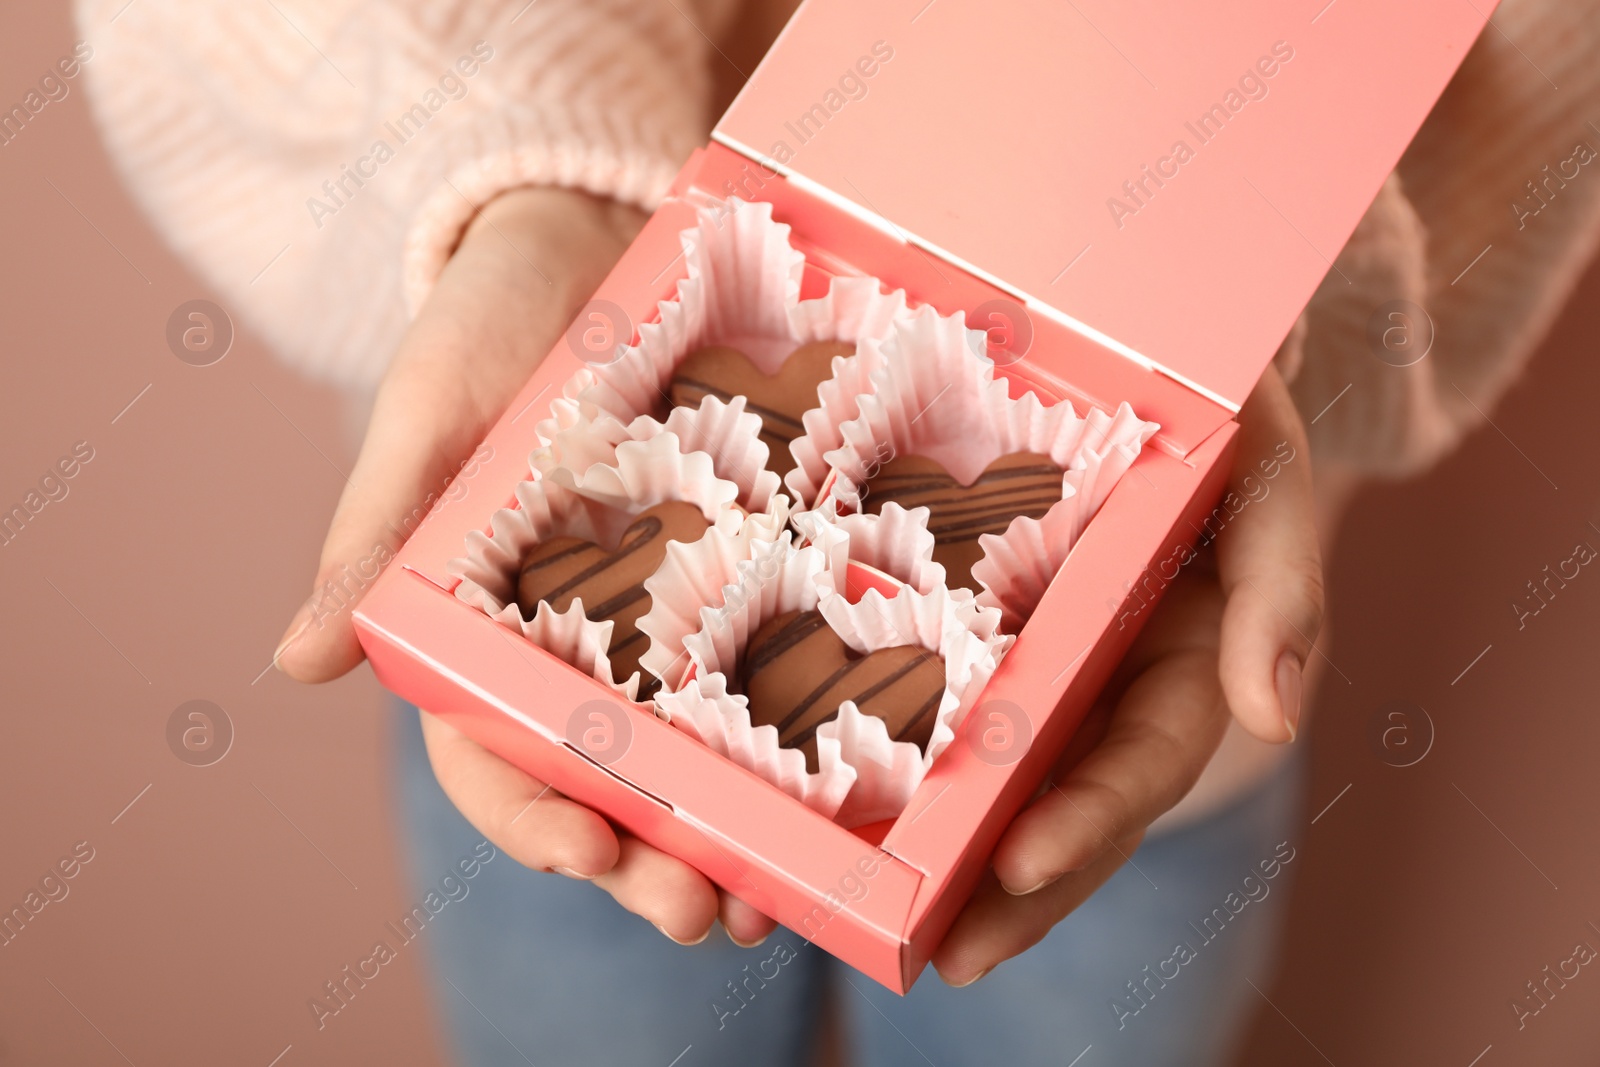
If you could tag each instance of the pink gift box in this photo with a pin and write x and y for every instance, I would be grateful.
(1153, 196)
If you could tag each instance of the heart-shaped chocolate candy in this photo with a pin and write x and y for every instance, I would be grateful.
(797, 671)
(780, 399)
(1018, 483)
(610, 581)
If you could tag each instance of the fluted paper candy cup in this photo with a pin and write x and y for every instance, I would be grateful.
(966, 636)
(580, 437)
(863, 775)
(742, 290)
(652, 473)
(895, 543)
(693, 578)
(781, 578)
(936, 395)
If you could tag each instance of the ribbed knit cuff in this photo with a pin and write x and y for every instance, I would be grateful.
(510, 152)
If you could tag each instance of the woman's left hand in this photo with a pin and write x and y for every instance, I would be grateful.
(1231, 636)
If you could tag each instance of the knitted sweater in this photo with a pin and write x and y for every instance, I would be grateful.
(316, 163)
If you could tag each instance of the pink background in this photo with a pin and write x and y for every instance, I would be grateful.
(222, 899)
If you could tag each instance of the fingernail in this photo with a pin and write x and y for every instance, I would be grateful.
(1031, 889)
(1290, 683)
(570, 873)
(746, 944)
(669, 937)
(969, 981)
(297, 626)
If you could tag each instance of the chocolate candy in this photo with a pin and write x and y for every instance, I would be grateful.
(1020, 483)
(610, 581)
(797, 671)
(779, 399)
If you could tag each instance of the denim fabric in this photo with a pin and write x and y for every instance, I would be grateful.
(545, 970)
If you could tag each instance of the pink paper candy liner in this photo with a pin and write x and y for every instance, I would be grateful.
(779, 578)
(579, 436)
(695, 578)
(838, 401)
(895, 542)
(951, 624)
(651, 473)
(935, 395)
(863, 774)
(743, 290)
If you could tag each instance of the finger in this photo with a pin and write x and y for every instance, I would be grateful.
(425, 423)
(995, 926)
(1270, 567)
(680, 900)
(404, 465)
(490, 318)
(540, 828)
(520, 815)
(746, 926)
(1189, 618)
(1159, 739)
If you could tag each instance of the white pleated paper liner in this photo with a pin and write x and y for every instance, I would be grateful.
(863, 775)
(742, 290)
(935, 396)
(895, 543)
(839, 397)
(651, 473)
(693, 578)
(579, 437)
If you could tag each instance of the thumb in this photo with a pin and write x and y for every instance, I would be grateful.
(411, 450)
(489, 320)
(1270, 566)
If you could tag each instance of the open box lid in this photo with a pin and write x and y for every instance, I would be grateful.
(1173, 180)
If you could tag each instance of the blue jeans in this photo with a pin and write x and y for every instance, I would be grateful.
(543, 969)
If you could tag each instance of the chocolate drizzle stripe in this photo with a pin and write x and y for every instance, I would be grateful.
(571, 550)
(647, 529)
(610, 608)
(618, 646)
(839, 675)
(928, 705)
(971, 528)
(774, 439)
(723, 395)
(815, 695)
(888, 680)
(796, 630)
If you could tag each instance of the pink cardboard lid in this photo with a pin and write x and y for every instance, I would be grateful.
(999, 136)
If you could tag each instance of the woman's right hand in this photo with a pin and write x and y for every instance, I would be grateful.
(524, 267)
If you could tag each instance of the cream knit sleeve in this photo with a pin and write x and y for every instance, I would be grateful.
(316, 160)
(1483, 230)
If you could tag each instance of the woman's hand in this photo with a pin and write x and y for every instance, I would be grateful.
(525, 265)
(1232, 635)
